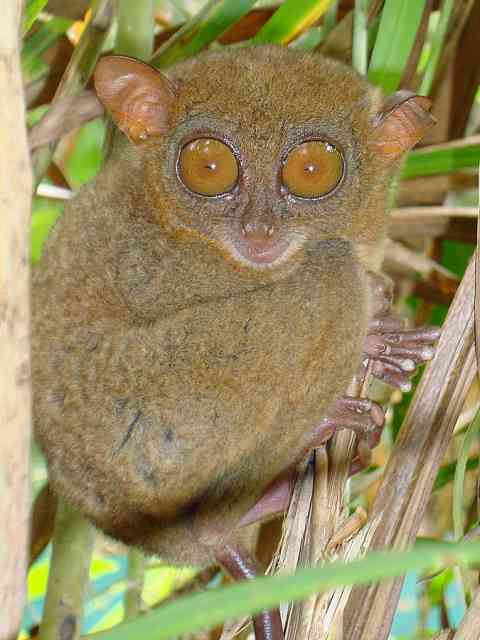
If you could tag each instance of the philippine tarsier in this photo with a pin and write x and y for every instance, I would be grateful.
(202, 306)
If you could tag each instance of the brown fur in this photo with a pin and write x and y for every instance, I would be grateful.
(171, 383)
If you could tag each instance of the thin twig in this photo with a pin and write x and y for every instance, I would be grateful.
(65, 115)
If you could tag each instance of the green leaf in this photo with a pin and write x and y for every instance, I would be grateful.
(459, 479)
(436, 47)
(396, 35)
(430, 163)
(32, 9)
(36, 44)
(213, 20)
(100, 566)
(37, 580)
(447, 472)
(293, 17)
(203, 610)
(86, 160)
(44, 215)
(161, 581)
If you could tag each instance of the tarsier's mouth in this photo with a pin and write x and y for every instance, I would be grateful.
(266, 254)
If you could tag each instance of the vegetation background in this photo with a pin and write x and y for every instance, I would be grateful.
(422, 485)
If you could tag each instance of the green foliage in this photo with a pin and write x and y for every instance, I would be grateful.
(293, 17)
(44, 214)
(204, 610)
(38, 43)
(202, 30)
(398, 28)
(425, 162)
(32, 9)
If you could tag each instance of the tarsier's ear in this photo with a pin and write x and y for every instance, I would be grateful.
(402, 121)
(138, 97)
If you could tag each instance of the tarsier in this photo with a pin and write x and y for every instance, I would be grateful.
(202, 306)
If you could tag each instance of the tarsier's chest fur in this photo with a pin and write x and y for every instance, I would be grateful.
(198, 409)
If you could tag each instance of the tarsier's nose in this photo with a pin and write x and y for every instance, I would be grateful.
(261, 235)
(259, 239)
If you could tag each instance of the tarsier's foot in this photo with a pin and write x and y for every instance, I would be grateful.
(363, 416)
(395, 352)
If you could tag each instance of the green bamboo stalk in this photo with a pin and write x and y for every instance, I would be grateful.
(360, 36)
(135, 580)
(68, 576)
(207, 25)
(135, 28)
(78, 72)
(437, 45)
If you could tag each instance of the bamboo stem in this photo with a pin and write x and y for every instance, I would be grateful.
(135, 28)
(68, 577)
(135, 580)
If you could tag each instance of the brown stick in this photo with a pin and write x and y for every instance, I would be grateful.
(64, 116)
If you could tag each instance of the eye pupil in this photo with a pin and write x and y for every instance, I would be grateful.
(312, 169)
(208, 167)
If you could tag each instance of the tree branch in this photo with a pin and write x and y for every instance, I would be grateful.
(15, 393)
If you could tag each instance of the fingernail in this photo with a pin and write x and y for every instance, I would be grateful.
(427, 353)
(408, 365)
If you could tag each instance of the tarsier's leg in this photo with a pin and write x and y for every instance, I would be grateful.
(242, 566)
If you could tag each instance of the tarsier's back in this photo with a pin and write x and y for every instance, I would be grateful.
(202, 304)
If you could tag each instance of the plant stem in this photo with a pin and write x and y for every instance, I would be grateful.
(135, 579)
(68, 577)
(135, 28)
(360, 36)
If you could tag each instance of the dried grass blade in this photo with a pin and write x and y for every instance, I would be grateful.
(468, 629)
(411, 471)
(477, 285)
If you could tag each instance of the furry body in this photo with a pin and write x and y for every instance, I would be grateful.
(172, 383)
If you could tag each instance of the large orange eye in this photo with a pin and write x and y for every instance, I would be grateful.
(207, 166)
(312, 169)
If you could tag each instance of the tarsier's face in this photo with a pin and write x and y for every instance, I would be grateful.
(212, 167)
(263, 152)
